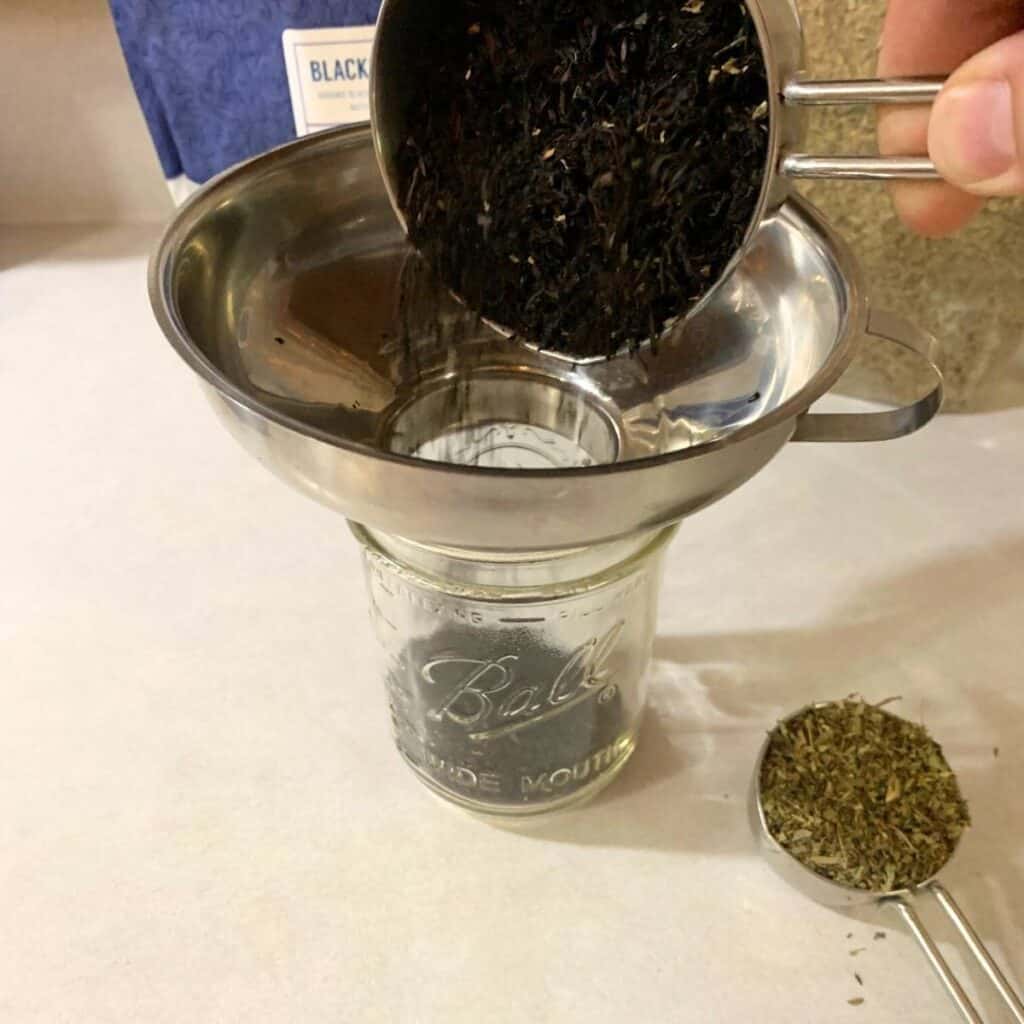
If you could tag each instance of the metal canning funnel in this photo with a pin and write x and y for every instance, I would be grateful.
(279, 284)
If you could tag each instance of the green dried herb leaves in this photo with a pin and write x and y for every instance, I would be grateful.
(582, 171)
(861, 797)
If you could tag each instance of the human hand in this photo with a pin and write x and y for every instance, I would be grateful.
(975, 131)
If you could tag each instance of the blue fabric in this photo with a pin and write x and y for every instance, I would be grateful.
(210, 74)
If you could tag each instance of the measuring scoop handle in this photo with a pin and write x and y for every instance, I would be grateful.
(954, 989)
(803, 92)
(883, 426)
(973, 942)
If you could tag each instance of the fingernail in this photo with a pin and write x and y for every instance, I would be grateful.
(972, 136)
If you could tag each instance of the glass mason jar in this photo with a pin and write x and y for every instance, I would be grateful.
(516, 682)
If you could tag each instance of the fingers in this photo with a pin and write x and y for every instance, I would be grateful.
(933, 37)
(933, 209)
(976, 134)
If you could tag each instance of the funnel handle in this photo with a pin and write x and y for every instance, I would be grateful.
(882, 426)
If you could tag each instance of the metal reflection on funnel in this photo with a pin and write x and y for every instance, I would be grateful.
(278, 283)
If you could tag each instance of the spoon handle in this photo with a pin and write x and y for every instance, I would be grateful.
(938, 964)
(977, 948)
(806, 92)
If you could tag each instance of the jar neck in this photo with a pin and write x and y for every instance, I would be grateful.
(527, 570)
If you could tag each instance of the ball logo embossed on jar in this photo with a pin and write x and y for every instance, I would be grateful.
(484, 696)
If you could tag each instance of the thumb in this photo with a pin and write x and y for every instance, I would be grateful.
(976, 131)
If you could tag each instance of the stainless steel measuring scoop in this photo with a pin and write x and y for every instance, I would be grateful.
(408, 27)
(901, 902)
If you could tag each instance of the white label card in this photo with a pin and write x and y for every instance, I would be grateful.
(328, 75)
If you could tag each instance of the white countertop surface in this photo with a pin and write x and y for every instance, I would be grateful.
(202, 818)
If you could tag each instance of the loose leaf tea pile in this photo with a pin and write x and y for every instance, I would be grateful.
(862, 797)
(582, 171)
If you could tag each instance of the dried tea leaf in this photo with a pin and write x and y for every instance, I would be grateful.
(862, 797)
(656, 168)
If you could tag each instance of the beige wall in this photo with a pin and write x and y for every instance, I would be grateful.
(968, 290)
(73, 143)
